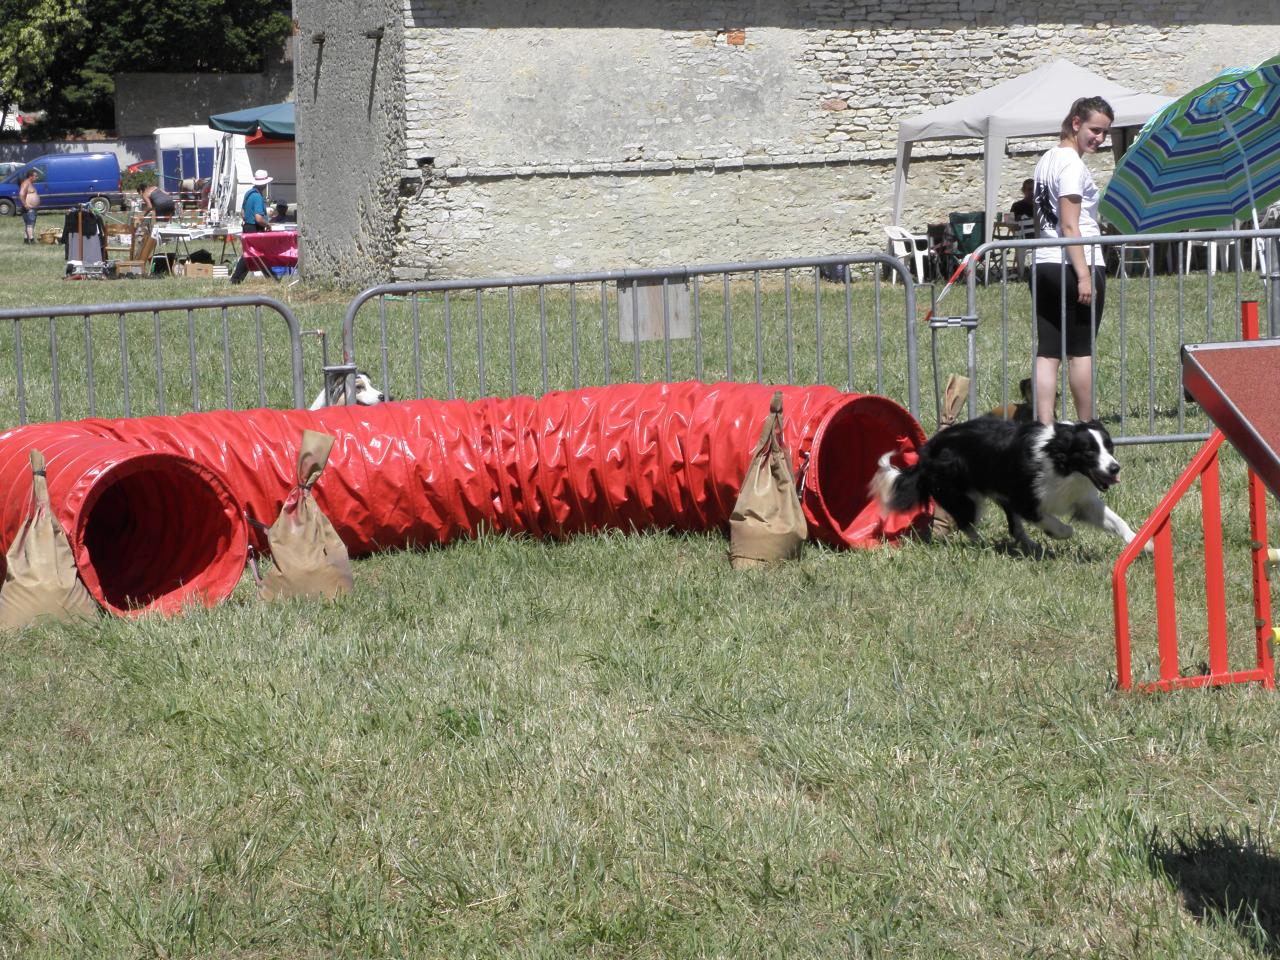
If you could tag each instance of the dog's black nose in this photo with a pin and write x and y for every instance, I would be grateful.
(1113, 469)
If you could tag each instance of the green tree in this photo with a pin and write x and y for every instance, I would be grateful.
(155, 36)
(33, 32)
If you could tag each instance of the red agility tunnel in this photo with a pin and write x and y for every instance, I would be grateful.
(146, 526)
(155, 507)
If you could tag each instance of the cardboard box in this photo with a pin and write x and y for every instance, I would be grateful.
(204, 270)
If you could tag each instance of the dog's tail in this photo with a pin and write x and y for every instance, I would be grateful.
(900, 489)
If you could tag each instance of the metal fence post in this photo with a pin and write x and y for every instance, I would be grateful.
(667, 280)
(152, 309)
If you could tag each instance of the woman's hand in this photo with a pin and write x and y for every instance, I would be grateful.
(1084, 289)
(1069, 226)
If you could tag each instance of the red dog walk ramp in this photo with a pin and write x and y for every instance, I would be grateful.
(155, 507)
(1236, 385)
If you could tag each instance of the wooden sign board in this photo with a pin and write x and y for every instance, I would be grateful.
(642, 305)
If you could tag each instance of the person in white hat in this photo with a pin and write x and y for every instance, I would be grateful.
(255, 204)
(254, 213)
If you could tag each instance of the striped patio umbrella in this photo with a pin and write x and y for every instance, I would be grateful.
(1210, 157)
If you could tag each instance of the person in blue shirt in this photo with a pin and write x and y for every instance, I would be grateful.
(254, 209)
(254, 217)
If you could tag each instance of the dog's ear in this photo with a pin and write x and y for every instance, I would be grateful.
(1058, 448)
(1024, 388)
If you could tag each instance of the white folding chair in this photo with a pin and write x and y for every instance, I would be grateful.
(1131, 257)
(1211, 254)
(903, 244)
(1255, 250)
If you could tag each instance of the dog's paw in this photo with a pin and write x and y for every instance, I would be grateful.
(1025, 547)
(1148, 548)
(1035, 551)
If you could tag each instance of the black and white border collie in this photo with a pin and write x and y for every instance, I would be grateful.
(1034, 472)
(366, 394)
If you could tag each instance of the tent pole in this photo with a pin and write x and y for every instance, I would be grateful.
(993, 147)
(900, 179)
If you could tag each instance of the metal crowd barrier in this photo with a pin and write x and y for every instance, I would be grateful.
(1147, 316)
(800, 320)
(124, 359)
(777, 321)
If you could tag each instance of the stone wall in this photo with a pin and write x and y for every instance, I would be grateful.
(542, 136)
(350, 100)
(147, 101)
(127, 149)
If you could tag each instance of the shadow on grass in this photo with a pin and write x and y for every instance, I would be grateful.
(1008, 547)
(1052, 550)
(1226, 878)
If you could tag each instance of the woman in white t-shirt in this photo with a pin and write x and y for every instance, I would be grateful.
(1066, 205)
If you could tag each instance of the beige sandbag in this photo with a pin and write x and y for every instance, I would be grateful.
(40, 578)
(310, 559)
(954, 398)
(767, 524)
(953, 401)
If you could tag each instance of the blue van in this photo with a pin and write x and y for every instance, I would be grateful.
(65, 180)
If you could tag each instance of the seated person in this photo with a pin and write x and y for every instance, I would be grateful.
(155, 200)
(1024, 209)
(282, 214)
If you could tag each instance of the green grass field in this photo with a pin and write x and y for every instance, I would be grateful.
(618, 747)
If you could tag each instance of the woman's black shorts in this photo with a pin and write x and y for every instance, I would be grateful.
(1082, 318)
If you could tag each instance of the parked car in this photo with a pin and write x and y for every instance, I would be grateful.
(149, 165)
(67, 179)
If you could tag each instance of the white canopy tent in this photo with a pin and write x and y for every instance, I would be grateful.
(1030, 105)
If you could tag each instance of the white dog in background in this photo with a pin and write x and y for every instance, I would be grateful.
(367, 395)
